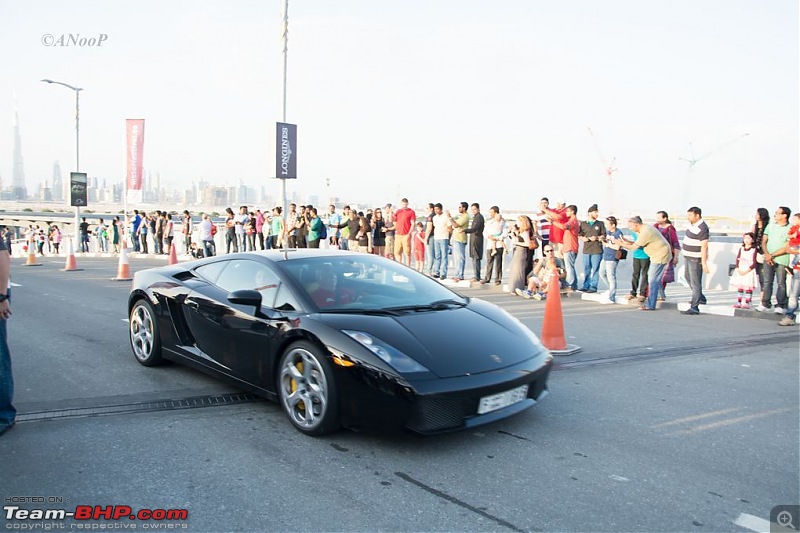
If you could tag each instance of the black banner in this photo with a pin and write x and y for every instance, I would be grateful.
(286, 151)
(77, 189)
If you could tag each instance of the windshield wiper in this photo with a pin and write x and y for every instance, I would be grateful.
(433, 306)
(372, 312)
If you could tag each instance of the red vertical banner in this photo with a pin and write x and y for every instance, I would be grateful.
(135, 157)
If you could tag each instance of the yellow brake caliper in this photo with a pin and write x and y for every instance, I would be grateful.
(299, 367)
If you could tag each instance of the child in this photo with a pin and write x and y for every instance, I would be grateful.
(794, 241)
(194, 251)
(418, 246)
(793, 249)
(744, 276)
(499, 238)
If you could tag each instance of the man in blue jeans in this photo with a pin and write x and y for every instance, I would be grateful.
(590, 233)
(7, 412)
(441, 241)
(657, 249)
(460, 224)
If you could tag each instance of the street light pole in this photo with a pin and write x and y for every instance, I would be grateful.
(77, 146)
(285, 212)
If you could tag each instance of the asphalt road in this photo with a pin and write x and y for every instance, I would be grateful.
(662, 423)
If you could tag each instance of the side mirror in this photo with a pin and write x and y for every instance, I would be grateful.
(252, 298)
(246, 297)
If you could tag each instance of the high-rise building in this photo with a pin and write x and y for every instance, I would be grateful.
(47, 193)
(18, 172)
(59, 187)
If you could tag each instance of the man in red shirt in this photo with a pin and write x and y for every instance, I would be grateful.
(325, 292)
(569, 246)
(404, 219)
(559, 214)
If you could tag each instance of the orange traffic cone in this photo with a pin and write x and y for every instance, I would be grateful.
(31, 262)
(173, 258)
(71, 265)
(124, 268)
(553, 325)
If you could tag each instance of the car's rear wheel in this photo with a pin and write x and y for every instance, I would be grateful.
(307, 391)
(144, 335)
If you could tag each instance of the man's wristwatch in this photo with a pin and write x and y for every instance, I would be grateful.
(3, 297)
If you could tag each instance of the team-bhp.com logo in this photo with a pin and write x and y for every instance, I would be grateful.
(74, 39)
(97, 513)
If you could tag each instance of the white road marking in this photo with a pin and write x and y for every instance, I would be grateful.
(535, 314)
(730, 421)
(753, 523)
(696, 417)
(15, 284)
(618, 478)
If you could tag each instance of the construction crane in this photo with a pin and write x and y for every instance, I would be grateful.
(692, 160)
(609, 169)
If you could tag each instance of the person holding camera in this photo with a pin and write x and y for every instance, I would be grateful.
(612, 253)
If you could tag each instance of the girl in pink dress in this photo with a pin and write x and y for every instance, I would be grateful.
(744, 275)
(418, 246)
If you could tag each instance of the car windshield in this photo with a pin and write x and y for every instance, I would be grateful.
(367, 283)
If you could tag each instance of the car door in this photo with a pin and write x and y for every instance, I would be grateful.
(234, 338)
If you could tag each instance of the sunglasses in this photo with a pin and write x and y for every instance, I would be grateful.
(548, 250)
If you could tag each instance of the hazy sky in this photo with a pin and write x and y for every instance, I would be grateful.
(434, 100)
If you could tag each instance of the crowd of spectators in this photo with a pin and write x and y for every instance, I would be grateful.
(539, 248)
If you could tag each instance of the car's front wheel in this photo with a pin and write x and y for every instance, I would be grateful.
(144, 335)
(307, 391)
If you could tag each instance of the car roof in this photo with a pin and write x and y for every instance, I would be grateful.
(299, 253)
(273, 256)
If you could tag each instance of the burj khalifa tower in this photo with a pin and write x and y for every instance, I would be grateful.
(20, 192)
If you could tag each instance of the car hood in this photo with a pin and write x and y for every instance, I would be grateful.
(450, 342)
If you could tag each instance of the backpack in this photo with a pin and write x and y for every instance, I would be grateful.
(323, 234)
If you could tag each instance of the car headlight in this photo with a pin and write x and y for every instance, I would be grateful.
(388, 353)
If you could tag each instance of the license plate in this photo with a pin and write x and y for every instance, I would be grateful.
(502, 399)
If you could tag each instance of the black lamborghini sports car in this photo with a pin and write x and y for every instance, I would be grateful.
(340, 339)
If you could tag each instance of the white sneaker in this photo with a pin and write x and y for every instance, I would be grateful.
(761, 309)
(779, 311)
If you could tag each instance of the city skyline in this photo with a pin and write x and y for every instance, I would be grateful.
(498, 105)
